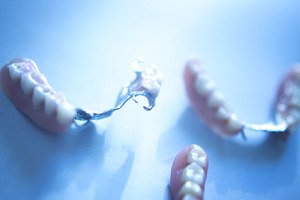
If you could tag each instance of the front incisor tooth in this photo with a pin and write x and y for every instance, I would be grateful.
(197, 156)
(65, 113)
(191, 188)
(27, 84)
(50, 104)
(215, 100)
(14, 73)
(204, 85)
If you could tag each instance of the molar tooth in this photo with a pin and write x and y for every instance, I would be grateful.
(197, 156)
(65, 113)
(27, 84)
(190, 188)
(193, 176)
(222, 114)
(195, 167)
(14, 73)
(233, 124)
(50, 104)
(215, 100)
(204, 85)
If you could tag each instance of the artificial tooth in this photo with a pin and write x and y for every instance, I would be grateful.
(27, 84)
(234, 124)
(281, 107)
(295, 101)
(204, 85)
(222, 114)
(190, 188)
(215, 100)
(38, 97)
(50, 104)
(193, 176)
(65, 113)
(14, 73)
(151, 86)
(195, 167)
(197, 156)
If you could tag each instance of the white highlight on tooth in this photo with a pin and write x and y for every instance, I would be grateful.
(215, 100)
(197, 156)
(190, 188)
(14, 72)
(27, 84)
(50, 104)
(65, 113)
(204, 85)
(281, 107)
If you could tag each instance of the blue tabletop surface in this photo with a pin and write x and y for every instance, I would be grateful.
(85, 49)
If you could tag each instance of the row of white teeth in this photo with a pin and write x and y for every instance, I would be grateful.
(42, 93)
(289, 104)
(193, 175)
(214, 100)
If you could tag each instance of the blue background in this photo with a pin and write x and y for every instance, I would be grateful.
(85, 49)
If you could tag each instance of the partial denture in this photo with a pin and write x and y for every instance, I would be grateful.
(208, 101)
(30, 92)
(210, 105)
(188, 174)
(287, 105)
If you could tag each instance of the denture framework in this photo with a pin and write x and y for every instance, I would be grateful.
(29, 91)
(209, 103)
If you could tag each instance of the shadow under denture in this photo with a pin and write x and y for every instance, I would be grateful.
(114, 184)
(46, 163)
(266, 159)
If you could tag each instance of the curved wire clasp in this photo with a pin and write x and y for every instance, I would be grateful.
(147, 83)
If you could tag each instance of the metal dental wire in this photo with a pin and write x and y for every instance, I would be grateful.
(131, 90)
